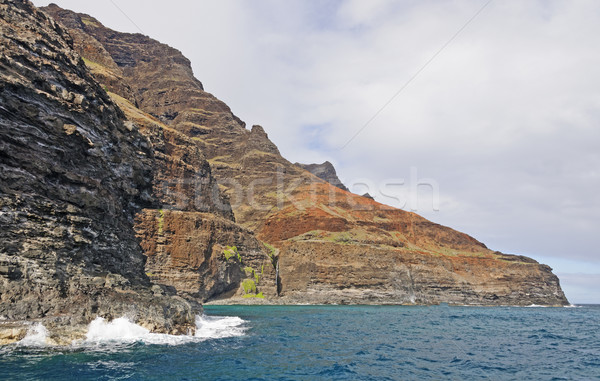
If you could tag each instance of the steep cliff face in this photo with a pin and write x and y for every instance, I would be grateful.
(324, 171)
(332, 246)
(186, 237)
(72, 177)
(186, 234)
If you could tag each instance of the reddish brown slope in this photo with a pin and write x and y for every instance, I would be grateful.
(333, 246)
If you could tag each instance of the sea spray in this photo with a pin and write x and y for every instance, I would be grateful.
(36, 336)
(103, 333)
(218, 327)
(122, 330)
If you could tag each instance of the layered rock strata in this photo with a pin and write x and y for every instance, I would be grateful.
(333, 246)
(73, 175)
(186, 235)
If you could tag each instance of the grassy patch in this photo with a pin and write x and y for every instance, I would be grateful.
(336, 211)
(250, 272)
(98, 68)
(381, 219)
(134, 113)
(259, 153)
(249, 286)
(343, 237)
(259, 295)
(232, 252)
(217, 163)
(199, 111)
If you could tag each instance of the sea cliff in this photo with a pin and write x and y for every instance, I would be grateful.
(74, 174)
(332, 246)
(126, 188)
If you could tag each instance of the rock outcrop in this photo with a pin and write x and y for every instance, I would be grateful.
(326, 172)
(330, 246)
(185, 236)
(73, 175)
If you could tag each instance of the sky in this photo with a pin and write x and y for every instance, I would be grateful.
(480, 115)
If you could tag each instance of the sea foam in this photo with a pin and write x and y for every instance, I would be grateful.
(217, 327)
(36, 336)
(123, 331)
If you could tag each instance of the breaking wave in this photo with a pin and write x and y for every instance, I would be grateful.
(36, 336)
(123, 331)
(218, 327)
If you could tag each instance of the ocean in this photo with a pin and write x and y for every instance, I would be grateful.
(329, 343)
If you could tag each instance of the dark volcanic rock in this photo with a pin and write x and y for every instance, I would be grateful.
(324, 171)
(72, 178)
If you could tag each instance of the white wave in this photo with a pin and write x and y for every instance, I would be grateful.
(217, 327)
(123, 331)
(35, 337)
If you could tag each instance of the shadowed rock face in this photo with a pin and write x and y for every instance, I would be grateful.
(333, 246)
(72, 177)
(325, 172)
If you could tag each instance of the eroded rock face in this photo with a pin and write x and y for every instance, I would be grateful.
(185, 250)
(72, 178)
(333, 246)
(324, 171)
(185, 235)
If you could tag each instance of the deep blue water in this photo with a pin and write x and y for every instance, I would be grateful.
(346, 343)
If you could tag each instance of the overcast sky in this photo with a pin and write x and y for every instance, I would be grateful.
(504, 118)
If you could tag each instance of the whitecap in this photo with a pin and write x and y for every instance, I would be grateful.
(218, 327)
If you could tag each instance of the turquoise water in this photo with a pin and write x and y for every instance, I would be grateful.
(344, 343)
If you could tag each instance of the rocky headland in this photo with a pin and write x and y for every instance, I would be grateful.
(127, 189)
(331, 245)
